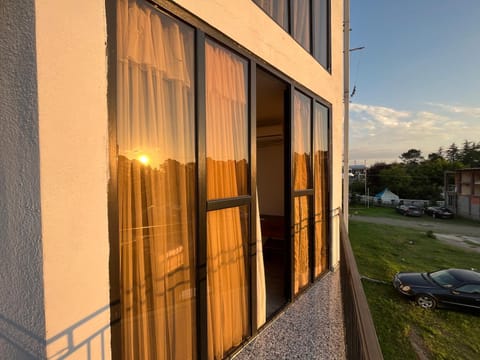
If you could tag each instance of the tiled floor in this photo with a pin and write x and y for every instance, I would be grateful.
(311, 328)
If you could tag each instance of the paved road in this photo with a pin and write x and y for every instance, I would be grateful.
(465, 236)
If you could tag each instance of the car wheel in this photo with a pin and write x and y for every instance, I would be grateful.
(426, 301)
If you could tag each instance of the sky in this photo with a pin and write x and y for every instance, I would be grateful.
(417, 81)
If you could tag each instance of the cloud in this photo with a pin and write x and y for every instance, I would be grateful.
(379, 133)
(468, 111)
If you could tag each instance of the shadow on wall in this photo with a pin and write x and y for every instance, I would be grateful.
(86, 337)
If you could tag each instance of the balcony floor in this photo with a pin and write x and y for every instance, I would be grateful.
(310, 328)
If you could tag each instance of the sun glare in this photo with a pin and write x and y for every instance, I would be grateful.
(144, 159)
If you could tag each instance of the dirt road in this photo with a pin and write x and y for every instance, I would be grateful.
(465, 236)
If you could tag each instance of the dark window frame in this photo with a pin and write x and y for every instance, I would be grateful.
(310, 192)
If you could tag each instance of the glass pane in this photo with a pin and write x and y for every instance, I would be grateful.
(301, 22)
(301, 141)
(227, 123)
(320, 173)
(227, 277)
(156, 184)
(301, 248)
(277, 10)
(321, 28)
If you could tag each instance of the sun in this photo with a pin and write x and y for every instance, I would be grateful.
(144, 159)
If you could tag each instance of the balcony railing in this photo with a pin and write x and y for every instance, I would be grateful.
(360, 335)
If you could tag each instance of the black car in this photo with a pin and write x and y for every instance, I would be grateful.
(409, 210)
(439, 212)
(449, 287)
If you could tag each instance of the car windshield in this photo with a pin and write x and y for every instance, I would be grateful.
(444, 278)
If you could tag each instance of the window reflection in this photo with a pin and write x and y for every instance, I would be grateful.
(278, 10)
(301, 15)
(227, 123)
(301, 141)
(320, 171)
(321, 24)
(228, 305)
(156, 183)
(301, 240)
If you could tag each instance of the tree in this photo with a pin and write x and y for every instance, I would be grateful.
(374, 182)
(397, 179)
(436, 155)
(419, 178)
(452, 153)
(412, 156)
(470, 154)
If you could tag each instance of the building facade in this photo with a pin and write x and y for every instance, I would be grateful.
(462, 192)
(172, 172)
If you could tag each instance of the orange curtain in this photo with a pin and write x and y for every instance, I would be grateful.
(156, 184)
(320, 167)
(301, 255)
(301, 181)
(227, 229)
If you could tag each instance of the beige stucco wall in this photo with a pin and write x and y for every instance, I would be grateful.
(245, 23)
(72, 111)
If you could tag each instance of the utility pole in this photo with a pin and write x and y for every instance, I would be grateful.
(346, 102)
(365, 176)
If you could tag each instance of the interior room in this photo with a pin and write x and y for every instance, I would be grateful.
(271, 119)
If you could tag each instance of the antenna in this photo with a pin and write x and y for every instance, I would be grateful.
(354, 90)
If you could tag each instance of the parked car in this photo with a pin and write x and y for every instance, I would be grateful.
(409, 210)
(439, 212)
(448, 287)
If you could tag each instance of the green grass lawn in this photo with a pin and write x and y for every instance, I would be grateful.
(380, 252)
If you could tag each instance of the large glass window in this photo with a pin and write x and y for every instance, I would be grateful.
(228, 305)
(302, 118)
(227, 123)
(311, 200)
(156, 183)
(302, 141)
(321, 34)
(301, 15)
(277, 10)
(301, 240)
(320, 173)
(227, 177)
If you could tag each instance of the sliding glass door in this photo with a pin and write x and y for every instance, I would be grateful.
(228, 229)
(302, 184)
(156, 183)
(310, 189)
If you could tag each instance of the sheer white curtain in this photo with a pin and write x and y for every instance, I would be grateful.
(277, 10)
(156, 183)
(227, 229)
(301, 22)
(261, 285)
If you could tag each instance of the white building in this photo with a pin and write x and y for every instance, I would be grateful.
(156, 156)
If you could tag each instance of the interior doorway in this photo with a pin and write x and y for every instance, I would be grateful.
(271, 120)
